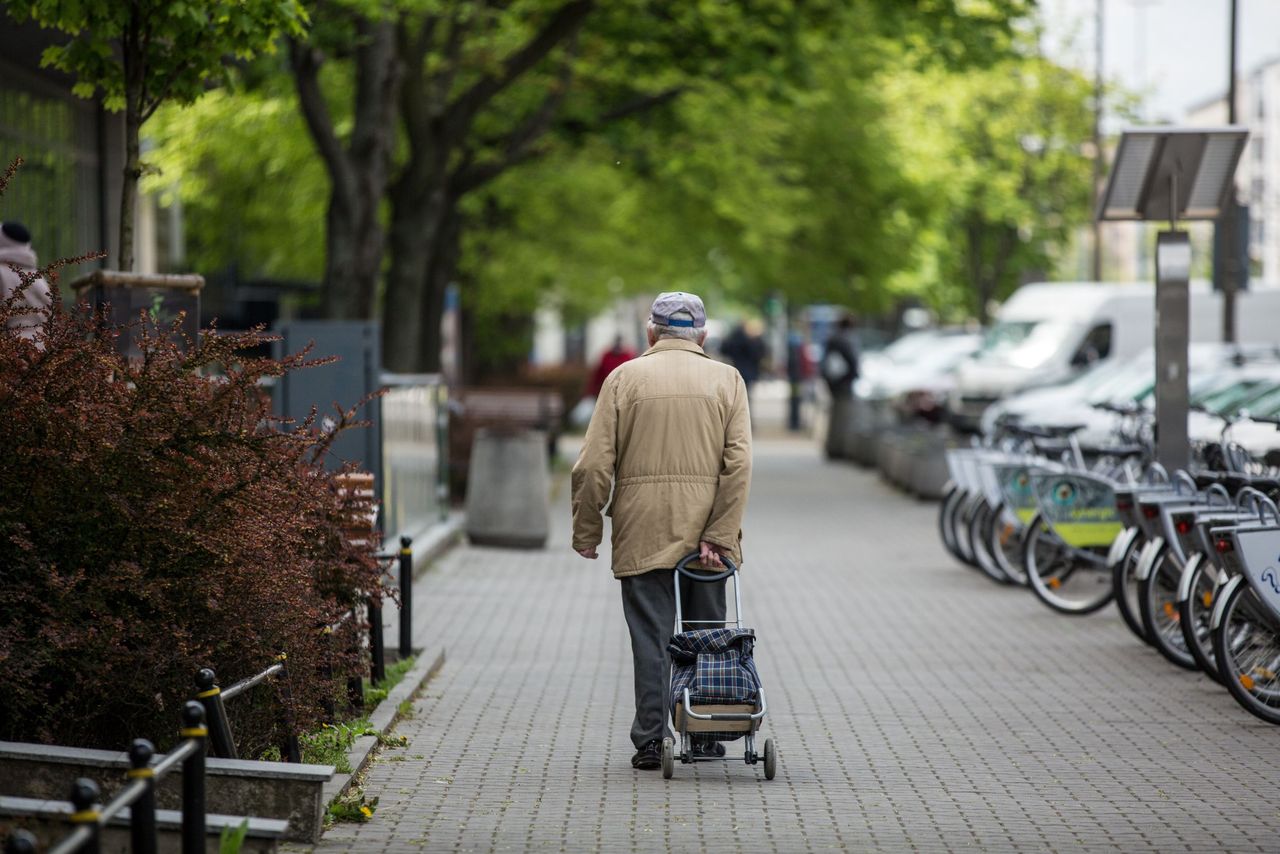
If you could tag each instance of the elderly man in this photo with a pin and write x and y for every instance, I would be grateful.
(672, 436)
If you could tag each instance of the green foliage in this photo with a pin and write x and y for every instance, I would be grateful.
(378, 691)
(352, 807)
(330, 744)
(171, 49)
(252, 190)
(231, 840)
(1005, 154)
(833, 151)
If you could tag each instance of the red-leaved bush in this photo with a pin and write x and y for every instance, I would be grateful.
(155, 519)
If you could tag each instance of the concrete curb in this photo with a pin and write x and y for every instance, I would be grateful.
(382, 719)
(436, 541)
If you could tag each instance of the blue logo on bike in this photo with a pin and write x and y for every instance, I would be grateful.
(1269, 576)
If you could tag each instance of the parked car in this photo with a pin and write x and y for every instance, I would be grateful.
(1046, 334)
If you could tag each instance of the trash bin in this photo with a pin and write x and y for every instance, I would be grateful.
(508, 488)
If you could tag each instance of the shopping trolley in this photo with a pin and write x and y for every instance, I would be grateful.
(715, 690)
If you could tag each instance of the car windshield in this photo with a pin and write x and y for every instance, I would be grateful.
(1267, 405)
(1119, 383)
(1227, 400)
(1025, 343)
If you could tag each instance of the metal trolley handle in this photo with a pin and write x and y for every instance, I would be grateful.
(683, 568)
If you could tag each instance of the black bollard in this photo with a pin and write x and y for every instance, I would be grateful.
(406, 597)
(193, 823)
(221, 742)
(20, 842)
(326, 673)
(290, 750)
(142, 815)
(377, 650)
(84, 797)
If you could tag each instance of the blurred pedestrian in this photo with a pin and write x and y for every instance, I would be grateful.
(34, 301)
(616, 355)
(840, 369)
(670, 440)
(746, 350)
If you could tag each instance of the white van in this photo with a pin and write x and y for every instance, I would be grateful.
(1046, 333)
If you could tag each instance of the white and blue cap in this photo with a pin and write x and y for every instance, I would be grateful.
(678, 308)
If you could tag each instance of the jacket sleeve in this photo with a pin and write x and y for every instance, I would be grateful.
(592, 477)
(725, 522)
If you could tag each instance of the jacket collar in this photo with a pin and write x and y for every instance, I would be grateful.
(675, 344)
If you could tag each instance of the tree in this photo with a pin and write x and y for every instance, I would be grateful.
(252, 190)
(137, 54)
(486, 87)
(358, 160)
(1011, 169)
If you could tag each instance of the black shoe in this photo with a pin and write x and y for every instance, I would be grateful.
(648, 757)
(708, 750)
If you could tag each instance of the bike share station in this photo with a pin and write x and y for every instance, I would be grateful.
(1172, 174)
(1186, 545)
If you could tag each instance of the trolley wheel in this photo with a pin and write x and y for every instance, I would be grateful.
(770, 759)
(668, 759)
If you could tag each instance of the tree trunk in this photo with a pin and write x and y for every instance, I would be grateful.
(355, 239)
(415, 223)
(132, 172)
(353, 253)
(441, 273)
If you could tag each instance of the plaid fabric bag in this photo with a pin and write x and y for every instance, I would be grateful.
(715, 665)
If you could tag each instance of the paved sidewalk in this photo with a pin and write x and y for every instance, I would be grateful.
(916, 706)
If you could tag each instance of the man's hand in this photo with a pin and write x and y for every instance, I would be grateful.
(589, 554)
(709, 554)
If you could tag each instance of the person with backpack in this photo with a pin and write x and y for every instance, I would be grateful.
(840, 369)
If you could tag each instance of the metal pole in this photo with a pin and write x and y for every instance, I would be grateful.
(193, 816)
(1097, 136)
(221, 742)
(406, 597)
(355, 681)
(378, 652)
(84, 798)
(142, 814)
(290, 749)
(1229, 221)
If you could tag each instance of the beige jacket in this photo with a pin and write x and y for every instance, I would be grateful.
(672, 436)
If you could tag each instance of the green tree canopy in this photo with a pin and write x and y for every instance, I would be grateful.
(137, 54)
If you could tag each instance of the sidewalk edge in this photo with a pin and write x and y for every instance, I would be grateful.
(383, 718)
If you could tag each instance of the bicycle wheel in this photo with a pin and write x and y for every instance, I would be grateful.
(1247, 644)
(1124, 588)
(1061, 577)
(979, 524)
(1195, 610)
(964, 514)
(947, 518)
(1004, 541)
(1157, 605)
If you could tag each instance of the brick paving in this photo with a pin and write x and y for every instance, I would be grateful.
(916, 706)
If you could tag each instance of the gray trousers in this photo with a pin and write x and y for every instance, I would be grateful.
(649, 604)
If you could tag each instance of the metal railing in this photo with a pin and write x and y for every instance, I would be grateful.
(222, 741)
(139, 796)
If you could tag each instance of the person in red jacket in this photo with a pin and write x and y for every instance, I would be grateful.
(614, 356)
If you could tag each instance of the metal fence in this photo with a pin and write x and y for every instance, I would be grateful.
(414, 457)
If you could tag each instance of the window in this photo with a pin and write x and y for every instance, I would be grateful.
(1095, 347)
